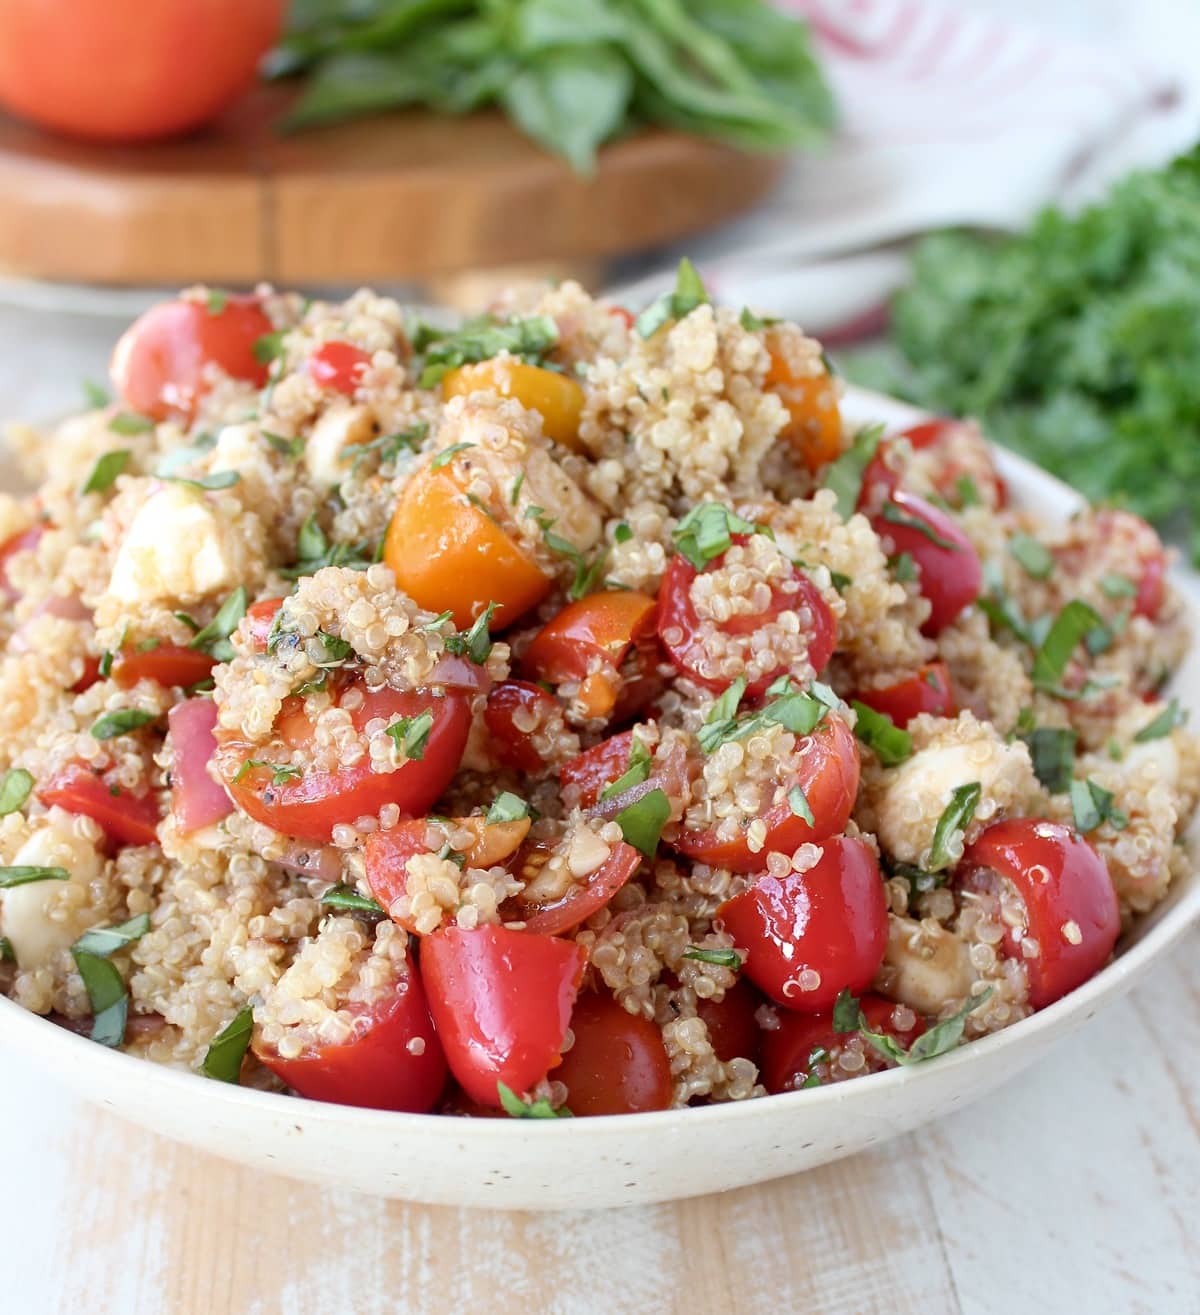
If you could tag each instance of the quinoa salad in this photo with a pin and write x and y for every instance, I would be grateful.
(560, 713)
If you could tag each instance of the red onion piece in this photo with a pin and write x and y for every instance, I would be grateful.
(196, 800)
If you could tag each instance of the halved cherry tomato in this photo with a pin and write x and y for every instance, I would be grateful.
(811, 935)
(160, 364)
(948, 566)
(310, 807)
(449, 555)
(167, 664)
(91, 674)
(1072, 918)
(394, 1061)
(259, 619)
(1133, 548)
(25, 541)
(802, 1041)
(814, 426)
(516, 710)
(501, 1001)
(338, 365)
(929, 690)
(617, 1064)
(732, 1026)
(828, 775)
(586, 775)
(126, 819)
(556, 397)
(581, 901)
(681, 630)
(588, 640)
(387, 852)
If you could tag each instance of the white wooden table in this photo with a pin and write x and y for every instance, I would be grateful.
(1073, 1190)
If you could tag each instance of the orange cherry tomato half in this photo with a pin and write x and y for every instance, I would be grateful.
(732, 1024)
(828, 775)
(169, 665)
(126, 819)
(792, 1051)
(516, 710)
(394, 1060)
(617, 1064)
(309, 807)
(682, 632)
(1072, 916)
(811, 935)
(338, 365)
(449, 555)
(581, 901)
(556, 397)
(929, 690)
(814, 426)
(159, 368)
(501, 1001)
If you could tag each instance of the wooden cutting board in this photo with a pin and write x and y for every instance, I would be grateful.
(402, 196)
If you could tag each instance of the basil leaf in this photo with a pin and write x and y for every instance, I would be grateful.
(846, 1012)
(642, 822)
(688, 294)
(281, 773)
(1166, 721)
(1053, 753)
(347, 898)
(952, 824)
(638, 771)
(103, 941)
(127, 424)
(483, 338)
(447, 454)
(896, 515)
(7, 953)
(223, 1061)
(1092, 806)
(516, 1108)
(411, 734)
(707, 531)
(879, 732)
(723, 958)
(944, 1036)
(1034, 558)
(622, 533)
(844, 476)
(1065, 634)
(121, 722)
(214, 637)
(14, 790)
(94, 395)
(106, 470)
(798, 803)
(1118, 586)
(288, 447)
(506, 807)
(968, 492)
(23, 876)
(269, 347)
(721, 721)
(108, 995)
(475, 643)
(220, 479)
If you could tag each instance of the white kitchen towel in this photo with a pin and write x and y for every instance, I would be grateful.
(948, 114)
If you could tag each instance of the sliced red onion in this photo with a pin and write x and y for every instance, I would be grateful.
(197, 800)
(322, 861)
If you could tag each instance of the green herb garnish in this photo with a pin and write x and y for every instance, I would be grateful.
(1052, 750)
(517, 1108)
(1092, 806)
(1034, 558)
(14, 790)
(127, 424)
(1167, 720)
(103, 941)
(223, 1061)
(689, 292)
(879, 732)
(475, 643)
(108, 995)
(219, 479)
(411, 734)
(845, 475)
(214, 637)
(23, 876)
(938, 1040)
(953, 822)
(348, 899)
(707, 531)
(481, 339)
(106, 470)
(642, 821)
(722, 958)
(121, 722)
(506, 807)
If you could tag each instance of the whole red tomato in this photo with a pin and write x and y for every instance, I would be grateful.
(127, 71)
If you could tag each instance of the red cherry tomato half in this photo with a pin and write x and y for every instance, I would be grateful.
(26, 541)
(169, 665)
(127, 819)
(828, 775)
(586, 775)
(516, 710)
(1071, 909)
(793, 1050)
(259, 619)
(160, 364)
(581, 901)
(501, 1002)
(310, 807)
(618, 1063)
(622, 314)
(951, 576)
(338, 365)
(929, 690)
(811, 935)
(394, 1061)
(682, 632)
(943, 440)
(732, 1026)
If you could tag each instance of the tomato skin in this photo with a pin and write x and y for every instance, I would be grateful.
(169, 665)
(589, 772)
(951, 577)
(514, 701)
(556, 397)
(159, 364)
(732, 1026)
(814, 426)
(580, 902)
(126, 819)
(828, 775)
(929, 690)
(501, 1001)
(338, 365)
(376, 1069)
(884, 473)
(617, 1064)
(788, 1048)
(831, 919)
(259, 619)
(119, 71)
(25, 541)
(677, 616)
(1152, 588)
(1061, 880)
(310, 808)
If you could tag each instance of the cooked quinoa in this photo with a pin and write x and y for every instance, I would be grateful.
(565, 680)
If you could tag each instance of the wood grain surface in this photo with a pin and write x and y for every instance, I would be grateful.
(401, 196)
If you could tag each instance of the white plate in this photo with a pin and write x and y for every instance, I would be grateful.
(577, 1163)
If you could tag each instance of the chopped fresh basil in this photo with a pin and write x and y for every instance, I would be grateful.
(637, 771)
(1052, 750)
(103, 941)
(214, 637)
(475, 643)
(1167, 720)
(515, 492)
(707, 531)
(23, 876)
(938, 1040)
(121, 722)
(1092, 806)
(1034, 558)
(281, 773)
(955, 819)
(14, 790)
(93, 394)
(106, 470)
(642, 822)
(845, 475)
(287, 447)
(337, 650)
(818, 1055)
(480, 340)
(622, 533)
(879, 732)
(516, 1108)
(314, 552)
(896, 515)
(216, 300)
(506, 807)
(721, 721)
(447, 455)
(7, 953)
(184, 455)
(798, 803)
(269, 347)
(223, 1062)
(968, 491)
(219, 479)
(689, 293)
(723, 958)
(1066, 632)
(347, 898)
(411, 734)
(1118, 586)
(588, 574)
(904, 568)
(108, 995)
(753, 323)
(127, 424)
(840, 582)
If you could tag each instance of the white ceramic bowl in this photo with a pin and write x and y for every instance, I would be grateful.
(575, 1163)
